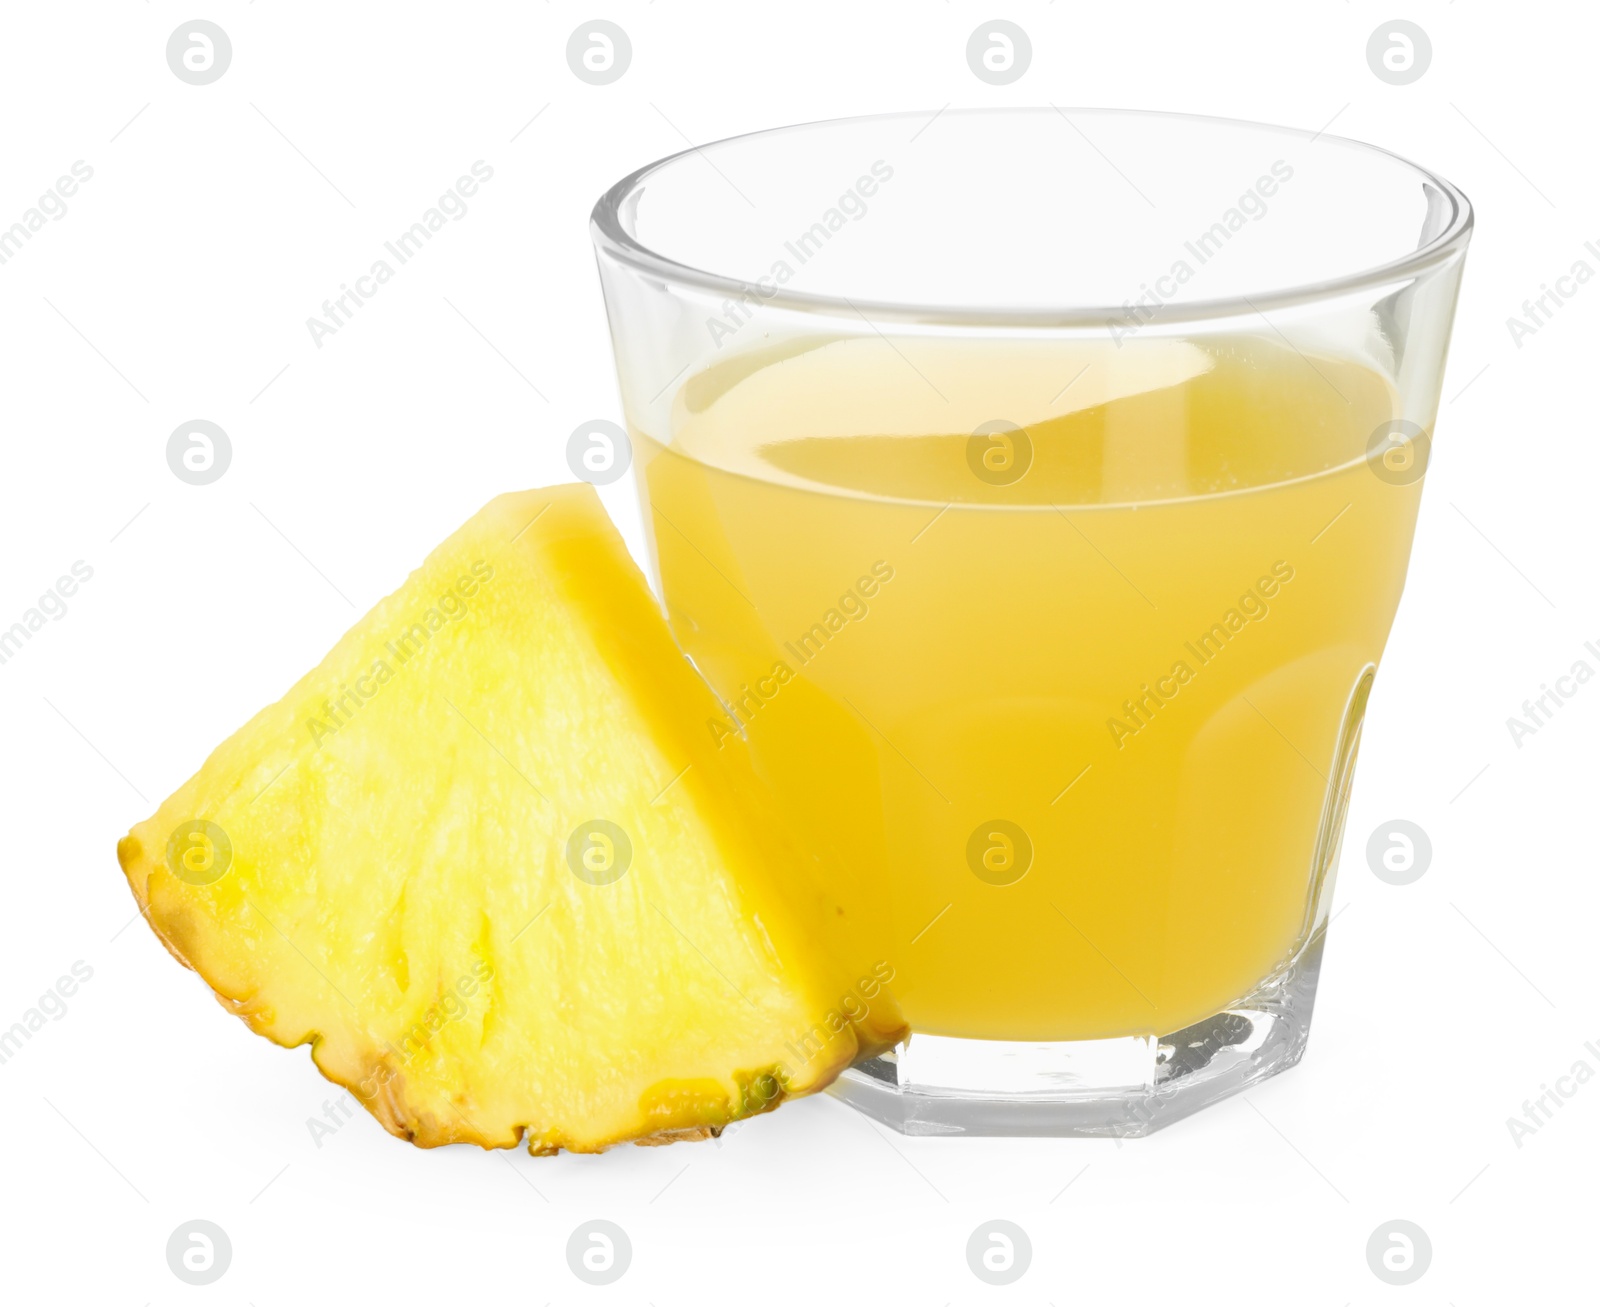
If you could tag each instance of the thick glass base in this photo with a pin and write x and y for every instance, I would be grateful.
(1119, 1088)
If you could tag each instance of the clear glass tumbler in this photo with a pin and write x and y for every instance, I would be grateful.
(1035, 489)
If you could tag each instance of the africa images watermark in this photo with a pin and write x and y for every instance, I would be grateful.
(842, 1016)
(450, 1006)
(52, 604)
(1253, 606)
(49, 207)
(449, 207)
(1539, 712)
(52, 1004)
(340, 709)
(850, 207)
(1539, 1112)
(852, 607)
(1250, 207)
(1540, 311)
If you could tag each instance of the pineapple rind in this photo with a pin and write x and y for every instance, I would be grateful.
(399, 893)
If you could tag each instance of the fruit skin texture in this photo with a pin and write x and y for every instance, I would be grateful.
(400, 864)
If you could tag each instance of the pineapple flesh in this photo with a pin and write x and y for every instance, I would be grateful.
(489, 861)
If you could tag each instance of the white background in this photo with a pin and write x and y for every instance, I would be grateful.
(177, 286)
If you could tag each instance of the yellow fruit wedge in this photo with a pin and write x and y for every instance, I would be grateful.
(490, 861)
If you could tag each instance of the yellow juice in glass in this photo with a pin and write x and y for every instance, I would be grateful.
(1056, 652)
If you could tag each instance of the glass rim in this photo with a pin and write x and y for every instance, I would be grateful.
(610, 237)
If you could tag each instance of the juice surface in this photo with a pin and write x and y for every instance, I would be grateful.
(1065, 705)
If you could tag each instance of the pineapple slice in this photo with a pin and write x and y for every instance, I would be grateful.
(491, 863)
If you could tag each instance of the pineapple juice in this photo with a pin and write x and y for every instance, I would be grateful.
(1055, 651)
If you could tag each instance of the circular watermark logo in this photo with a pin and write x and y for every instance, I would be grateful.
(599, 1252)
(999, 1252)
(599, 852)
(1399, 1252)
(198, 52)
(598, 52)
(1397, 452)
(998, 52)
(199, 452)
(999, 852)
(999, 453)
(599, 452)
(199, 852)
(1399, 852)
(1398, 52)
(199, 1252)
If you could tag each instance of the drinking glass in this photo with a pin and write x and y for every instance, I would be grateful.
(1035, 490)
